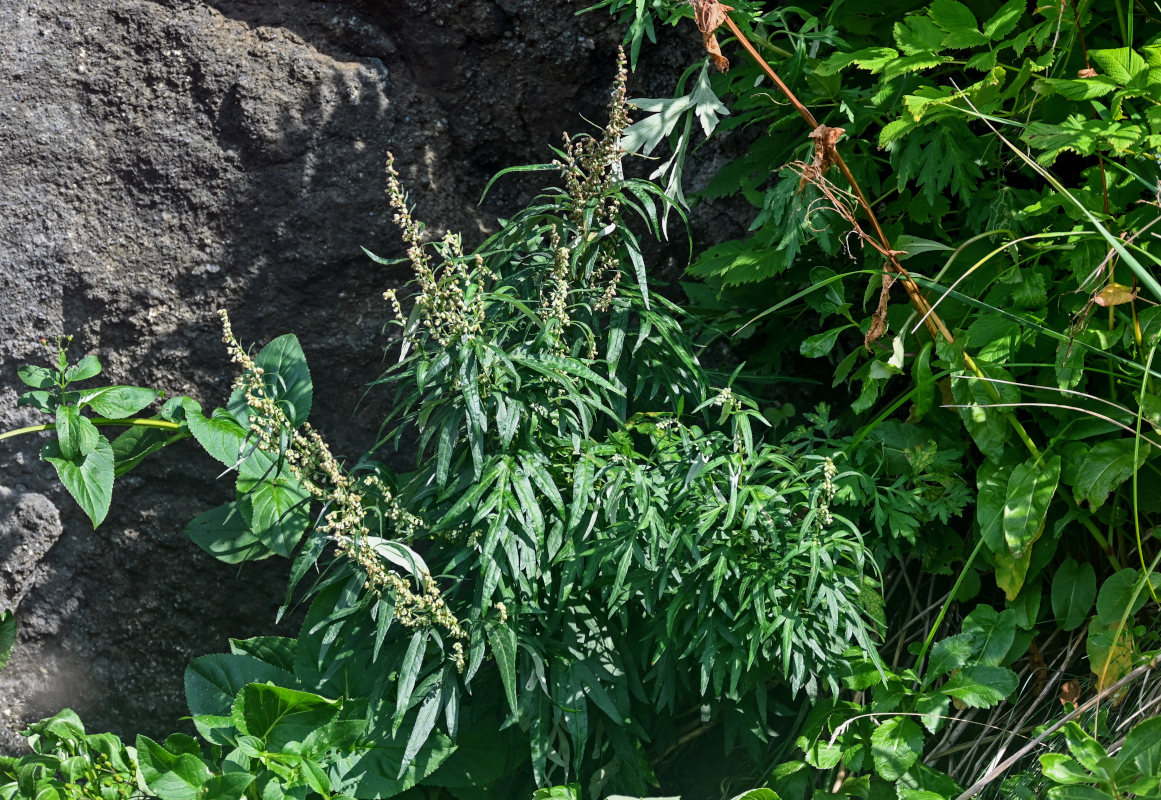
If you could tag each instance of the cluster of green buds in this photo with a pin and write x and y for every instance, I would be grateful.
(451, 293)
(827, 493)
(311, 462)
(554, 295)
(591, 168)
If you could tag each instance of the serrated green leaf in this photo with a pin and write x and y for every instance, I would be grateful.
(277, 511)
(1079, 89)
(76, 436)
(118, 402)
(224, 533)
(37, 377)
(917, 34)
(286, 377)
(135, 445)
(87, 367)
(280, 716)
(895, 746)
(981, 686)
(948, 655)
(170, 777)
(1121, 64)
(89, 480)
(1004, 21)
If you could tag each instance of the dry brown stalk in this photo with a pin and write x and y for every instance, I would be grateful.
(712, 13)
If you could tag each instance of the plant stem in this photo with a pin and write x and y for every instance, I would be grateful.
(932, 321)
(163, 424)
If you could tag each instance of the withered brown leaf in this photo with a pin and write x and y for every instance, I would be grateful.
(879, 318)
(709, 15)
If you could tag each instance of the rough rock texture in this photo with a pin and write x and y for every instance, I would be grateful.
(165, 158)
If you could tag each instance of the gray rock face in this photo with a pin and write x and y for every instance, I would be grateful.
(165, 158)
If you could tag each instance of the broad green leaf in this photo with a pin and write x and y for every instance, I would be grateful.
(212, 682)
(287, 377)
(118, 402)
(277, 651)
(895, 746)
(231, 786)
(924, 381)
(992, 633)
(1011, 572)
(224, 533)
(37, 377)
(7, 636)
(373, 764)
(480, 758)
(1142, 749)
(87, 367)
(988, 426)
(820, 344)
(40, 400)
(169, 776)
(982, 686)
(1030, 491)
(88, 480)
(756, 794)
(1110, 650)
(1088, 752)
(1106, 466)
(1063, 769)
(1073, 592)
(948, 655)
(135, 445)
(220, 435)
(76, 436)
(278, 512)
(1078, 792)
(279, 715)
(992, 492)
(570, 791)
(1119, 598)
(315, 777)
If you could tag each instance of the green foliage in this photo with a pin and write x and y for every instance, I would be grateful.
(600, 535)
(69, 764)
(85, 460)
